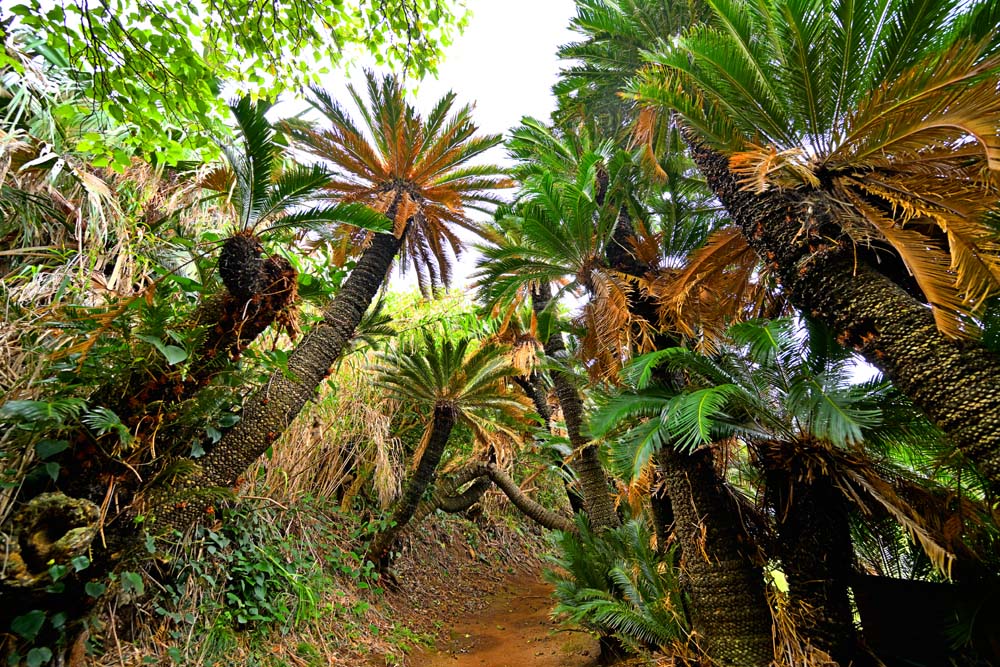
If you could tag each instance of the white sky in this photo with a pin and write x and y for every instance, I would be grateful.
(505, 62)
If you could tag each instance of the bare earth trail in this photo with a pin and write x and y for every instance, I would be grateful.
(513, 630)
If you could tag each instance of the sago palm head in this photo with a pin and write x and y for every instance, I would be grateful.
(887, 112)
(412, 168)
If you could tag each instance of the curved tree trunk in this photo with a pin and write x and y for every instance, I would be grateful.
(593, 482)
(421, 478)
(956, 383)
(729, 610)
(814, 546)
(268, 411)
(445, 497)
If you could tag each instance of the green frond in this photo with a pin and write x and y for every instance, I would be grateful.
(320, 217)
(295, 187)
(254, 164)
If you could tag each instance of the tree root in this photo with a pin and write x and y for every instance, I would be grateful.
(50, 529)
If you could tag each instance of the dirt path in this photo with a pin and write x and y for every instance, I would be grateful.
(512, 631)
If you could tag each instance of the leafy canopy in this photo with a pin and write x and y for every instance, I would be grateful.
(158, 65)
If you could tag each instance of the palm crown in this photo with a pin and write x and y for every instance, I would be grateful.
(456, 374)
(888, 110)
(410, 168)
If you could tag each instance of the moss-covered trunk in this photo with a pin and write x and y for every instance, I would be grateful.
(417, 483)
(729, 610)
(956, 383)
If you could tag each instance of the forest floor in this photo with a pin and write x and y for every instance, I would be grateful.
(479, 597)
(514, 629)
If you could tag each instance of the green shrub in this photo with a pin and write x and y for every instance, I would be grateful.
(617, 584)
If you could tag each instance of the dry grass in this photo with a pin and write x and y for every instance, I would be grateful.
(339, 446)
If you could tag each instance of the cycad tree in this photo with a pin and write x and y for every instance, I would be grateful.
(856, 146)
(413, 170)
(451, 382)
(557, 233)
(818, 446)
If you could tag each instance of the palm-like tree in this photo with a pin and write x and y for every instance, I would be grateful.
(412, 171)
(820, 444)
(557, 234)
(455, 383)
(857, 148)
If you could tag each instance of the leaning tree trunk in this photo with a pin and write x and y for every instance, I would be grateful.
(534, 390)
(815, 550)
(482, 475)
(593, 482)
(422, 477)
(729, 611)
(268, 411)
(956, 383)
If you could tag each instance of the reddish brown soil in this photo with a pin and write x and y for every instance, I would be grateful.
(514, 629)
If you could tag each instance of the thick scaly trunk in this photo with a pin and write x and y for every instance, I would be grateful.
(729, 610)
(587, 465)
(815, 550)
(728, 606)
(268, 411)
(956, 383)
(423, 476)
(533, 389)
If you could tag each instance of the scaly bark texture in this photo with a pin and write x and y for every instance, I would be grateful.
(268, 411)
(587, 465)
(814, 546)
(956, 383)
(533, 389)
(729, 612)
(721, 573)
(423, 476)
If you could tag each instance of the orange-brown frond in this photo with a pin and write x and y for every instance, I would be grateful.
(927, 262)
(613, 332)
(719, 284)
(948, 100)
(643, 134)
(760, 168)
(220, 179)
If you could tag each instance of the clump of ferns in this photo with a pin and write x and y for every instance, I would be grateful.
(618, 584)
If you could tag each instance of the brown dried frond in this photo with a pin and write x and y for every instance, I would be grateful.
(930, 266)
(721, 283)
(790, 648)
(644, 134)
(945, 101)
(613, 332)
(762, 167)
(856, 476)
(637, 491)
